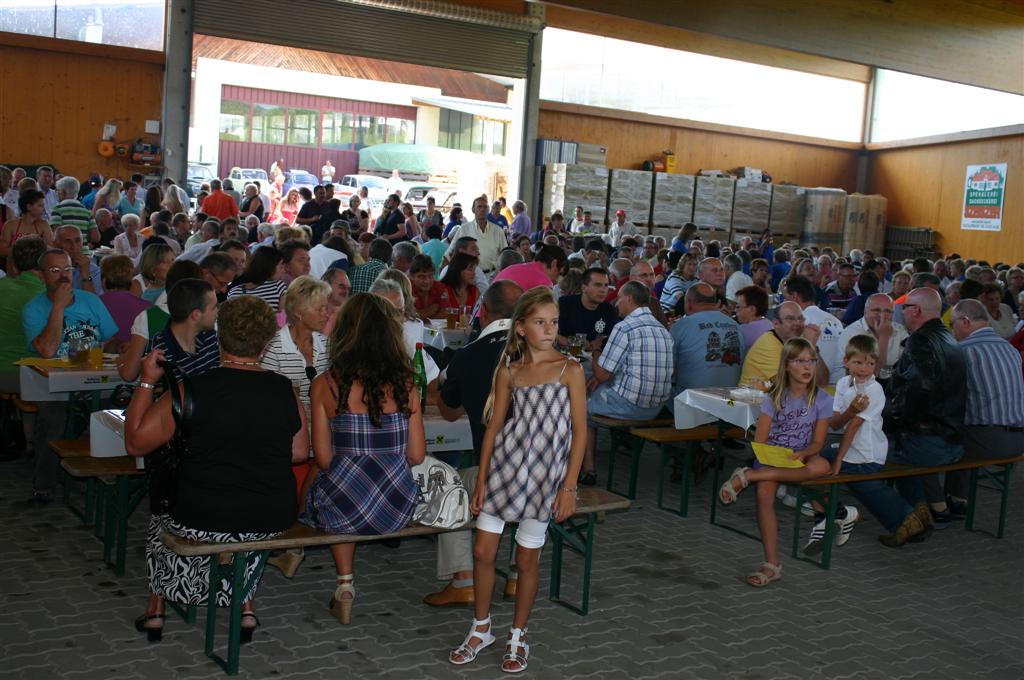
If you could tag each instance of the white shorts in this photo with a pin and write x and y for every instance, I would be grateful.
(530, 534)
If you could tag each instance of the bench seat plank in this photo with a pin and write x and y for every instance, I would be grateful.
(893, 471)
(668, 435)
(101, 467)
(608, 421)
(301, 535)
(70, 448)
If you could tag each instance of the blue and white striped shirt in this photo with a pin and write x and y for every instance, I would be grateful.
(995, 384)
(639, 353)
(206, 357)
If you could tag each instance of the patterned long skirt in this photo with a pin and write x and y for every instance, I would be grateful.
(186, 580)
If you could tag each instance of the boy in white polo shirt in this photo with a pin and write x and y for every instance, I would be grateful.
(857, 407)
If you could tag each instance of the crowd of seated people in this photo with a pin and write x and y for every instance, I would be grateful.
(284, 299)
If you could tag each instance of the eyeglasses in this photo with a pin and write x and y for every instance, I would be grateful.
(791, 318)
(910, 306)
(60, 270)
(804, 362)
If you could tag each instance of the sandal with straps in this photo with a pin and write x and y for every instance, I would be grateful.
(247, 631)
(728, 493)
(512, 653)
(341, 606)
(759, 579)
(468, 652)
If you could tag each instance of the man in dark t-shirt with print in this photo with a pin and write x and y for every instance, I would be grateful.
(316, 213)
(588, 313)
(465, 386)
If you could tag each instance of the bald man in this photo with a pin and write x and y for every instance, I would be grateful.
(877, 322)
(926, 404)
(763, 357)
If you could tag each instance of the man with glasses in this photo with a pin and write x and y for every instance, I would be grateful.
(86, 274)
(840, 293)
(924, 414)
(763, 358)
(878, 322)
(219, 270)
(55, 321)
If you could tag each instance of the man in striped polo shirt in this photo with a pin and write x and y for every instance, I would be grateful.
(189, 341)
(994, 419)
(70, 211)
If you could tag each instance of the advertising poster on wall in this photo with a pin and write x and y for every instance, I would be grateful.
(984, 189)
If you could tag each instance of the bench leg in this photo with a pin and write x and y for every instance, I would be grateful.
(667, 455)
(235, 570)
(187, 614)
(611, 459)
(972, 499)
(581, 539)
(1004, 501)
(99, 511)
(634, 468)
(122, 524)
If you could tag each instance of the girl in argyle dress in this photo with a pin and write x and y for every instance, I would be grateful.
(529, 462)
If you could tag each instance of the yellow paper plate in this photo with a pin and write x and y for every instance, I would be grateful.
(776, 456)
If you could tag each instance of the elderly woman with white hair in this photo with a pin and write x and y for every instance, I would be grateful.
(129, 242)
(251, 204)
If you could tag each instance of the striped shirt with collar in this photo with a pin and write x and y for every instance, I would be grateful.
(995, 384)
(205, 358)
(283, 356)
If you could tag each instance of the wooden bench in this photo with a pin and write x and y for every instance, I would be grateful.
(664, 437)
(826, 491)
(228, 560)
(619, 431)
(114, 487)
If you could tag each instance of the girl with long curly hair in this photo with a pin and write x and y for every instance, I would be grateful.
(367, 431)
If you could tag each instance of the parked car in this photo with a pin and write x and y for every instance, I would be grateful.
(239, 176)
(377, 187)
(416, 193)
(445, 199)
(198, 175)
(296, 179)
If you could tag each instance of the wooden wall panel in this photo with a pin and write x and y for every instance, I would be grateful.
(925, 187)
(53, 106)
(630, 143)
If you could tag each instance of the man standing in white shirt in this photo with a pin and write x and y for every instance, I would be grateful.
(801, 291)
(577, 220)
(44, 178)
(877, 322)
(327, 172)
(490, 238)
(620, 227)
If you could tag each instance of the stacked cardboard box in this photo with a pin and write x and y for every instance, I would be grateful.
(824, 218)
(567, 186)
(751, 208)
(787, 212)
(712, 207)
(673, 199)
(630, 190)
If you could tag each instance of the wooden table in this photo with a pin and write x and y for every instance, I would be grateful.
(80, 386)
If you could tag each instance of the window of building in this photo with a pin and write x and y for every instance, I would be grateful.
(455, 130)
(234, 121)
(268, 124)
(494, 132)
(132, 23)
(401, 131)
(337, 130)
(597, 71)
(369, 131)
(302, 130)
(909, 106)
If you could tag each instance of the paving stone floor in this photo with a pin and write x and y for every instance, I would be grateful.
(668, 601)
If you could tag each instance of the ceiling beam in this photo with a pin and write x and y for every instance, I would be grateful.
(974, 42)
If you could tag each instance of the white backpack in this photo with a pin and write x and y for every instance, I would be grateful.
(443, 500)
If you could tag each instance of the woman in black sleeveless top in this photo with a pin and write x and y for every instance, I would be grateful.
(236, 481)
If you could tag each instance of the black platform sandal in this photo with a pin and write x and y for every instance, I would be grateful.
(153, 633)
(247, 631)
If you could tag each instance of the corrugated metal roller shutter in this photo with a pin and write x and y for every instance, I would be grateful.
(358, 28)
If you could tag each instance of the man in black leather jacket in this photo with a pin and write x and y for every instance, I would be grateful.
(925, 410)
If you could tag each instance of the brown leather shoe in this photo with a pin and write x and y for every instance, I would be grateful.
(510, 589)
(924, 514)
(911, 527)
(450, 596)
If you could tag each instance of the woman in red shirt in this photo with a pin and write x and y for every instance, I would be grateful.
(460, 281)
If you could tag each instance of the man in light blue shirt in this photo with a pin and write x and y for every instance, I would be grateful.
(51, 321)
(86, 275)
(707, 344)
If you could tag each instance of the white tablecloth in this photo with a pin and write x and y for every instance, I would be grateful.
(55, 387)
(443, 435)
(441, 338)
(701, 406)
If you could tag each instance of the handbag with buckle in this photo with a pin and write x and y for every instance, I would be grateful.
(163, 466)
(443, 500)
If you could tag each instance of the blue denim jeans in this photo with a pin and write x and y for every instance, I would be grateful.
(923, 450)
(605, 401)
(880, 499)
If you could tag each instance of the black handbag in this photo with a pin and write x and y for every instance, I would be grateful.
(163, 466)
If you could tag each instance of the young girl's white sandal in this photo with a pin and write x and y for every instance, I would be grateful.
(515, 661)
(468, 652)
(727, 494)
(759, 579)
